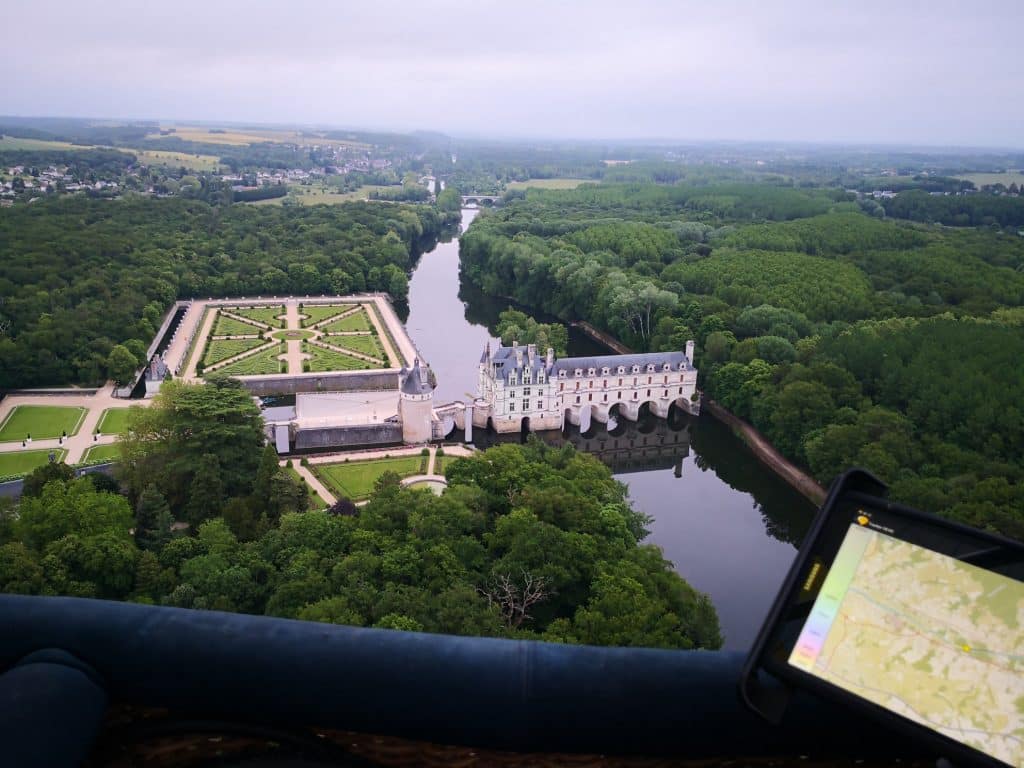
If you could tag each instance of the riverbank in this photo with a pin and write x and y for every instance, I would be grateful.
(765, 452)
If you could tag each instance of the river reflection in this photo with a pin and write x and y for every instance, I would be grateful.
(729, 526)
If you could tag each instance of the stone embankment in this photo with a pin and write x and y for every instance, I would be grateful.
(767, 453)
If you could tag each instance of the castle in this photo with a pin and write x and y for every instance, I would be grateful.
(519, 390)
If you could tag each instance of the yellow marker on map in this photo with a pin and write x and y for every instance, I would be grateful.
(863, 519)
(967, 648)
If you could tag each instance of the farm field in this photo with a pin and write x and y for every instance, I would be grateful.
(114, 421)
(18, 463)
(981, 179)
(268, 315)
(311, 314)
(222, 349)
(320, 194)
(100, 453)
(228, 326)
(367, 344)
(176, 159)
(12, 143)
(355, 322)
(322, 360)
(203, 134)
(355, 480)
(549, 183)
(41, 422)
(256, 365)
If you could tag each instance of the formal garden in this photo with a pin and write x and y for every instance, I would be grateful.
(41, 422)
(355, 479)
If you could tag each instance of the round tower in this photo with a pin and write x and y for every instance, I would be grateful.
(416, 405)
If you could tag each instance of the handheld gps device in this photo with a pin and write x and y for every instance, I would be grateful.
(909, 618)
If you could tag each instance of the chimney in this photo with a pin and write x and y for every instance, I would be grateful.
(531, 353)
(551, 357)
(689, 352)
(519, 357)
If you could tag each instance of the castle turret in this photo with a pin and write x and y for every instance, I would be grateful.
(416, 404)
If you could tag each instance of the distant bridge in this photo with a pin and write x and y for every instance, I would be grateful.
(466, 199)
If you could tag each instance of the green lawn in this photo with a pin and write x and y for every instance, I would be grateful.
(222, 349)
(114, 421)
(355, 322)
(322, 360)
(268, 314)
(255, 365)
(100, 453)
(368, 345)
(17, 463)
(228, 326)
(40, 421)
(314, 313)
(355, 479)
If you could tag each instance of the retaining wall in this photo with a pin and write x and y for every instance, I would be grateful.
(291, 384)
(348, 437)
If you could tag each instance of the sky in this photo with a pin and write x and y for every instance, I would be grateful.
(898, 71)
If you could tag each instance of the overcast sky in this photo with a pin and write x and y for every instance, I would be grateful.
(932, 72)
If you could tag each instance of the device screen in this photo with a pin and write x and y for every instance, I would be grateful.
(922, 634)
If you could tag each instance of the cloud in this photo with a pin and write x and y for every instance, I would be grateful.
(935, 72)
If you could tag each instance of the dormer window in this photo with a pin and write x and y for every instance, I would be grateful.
(540, 377)
(579, 372)
(561, 374)
(511, 379)
(604, 371)
(650, 368)
(666, 367)
(636, 369)
(622, 369)
(590, 372)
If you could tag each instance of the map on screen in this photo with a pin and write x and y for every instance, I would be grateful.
(931, 638)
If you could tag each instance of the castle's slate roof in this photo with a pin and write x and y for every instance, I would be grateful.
(643, 359)
(415, 382)
(505, 362)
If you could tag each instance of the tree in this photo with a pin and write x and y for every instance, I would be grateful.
(515, 597)
(206, 493)
(73, 508)
(153, 520)
(121, 364)
(37, 479)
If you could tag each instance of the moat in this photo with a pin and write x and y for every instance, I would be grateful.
(729, 525)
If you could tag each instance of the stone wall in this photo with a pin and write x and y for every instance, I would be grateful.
(348, 437)
(353, 381)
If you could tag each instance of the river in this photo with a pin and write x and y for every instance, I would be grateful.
(729, 525)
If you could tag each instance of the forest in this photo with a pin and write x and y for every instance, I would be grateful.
(847, 339)
(79, 276)
(528, 542)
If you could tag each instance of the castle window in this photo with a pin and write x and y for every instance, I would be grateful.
(561, 374)
(590, 371)
(591, 384)
(634, 395)
(666, 367)
(577, 399)
(604, 371)
(620, 380)
(512, 393)
(604, 383)
(540, 377)
(590, 398)
(512, 405)
(648, 393)
(579, 371)
(636, 369)
(561, 387)
(622, 369)
(666, 379)
(526, 392)
(666, 393)
(648, 379)
(620, 395)
(577, 385)
(650, 368)
(606, 398)
(526, 405)
(680, 390)
(540, 405)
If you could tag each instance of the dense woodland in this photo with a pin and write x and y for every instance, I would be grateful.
(79, 276)
(528, 542)
(846, 338)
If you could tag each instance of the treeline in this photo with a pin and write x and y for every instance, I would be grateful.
(81, 163)
(527, 542)
(260, 193)
(79, 276)
(957, 210)
(847, 339)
